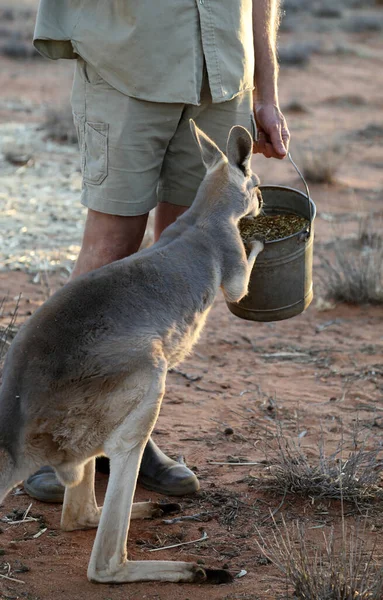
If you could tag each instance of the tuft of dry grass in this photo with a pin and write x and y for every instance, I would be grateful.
(328, 11)
(59, 125)
(320, 164)
(297, 54)
(18, 48)
(364, 24)
(355, 278)
(8, 332)
(351, 479)
(348, 572)
(370, 232)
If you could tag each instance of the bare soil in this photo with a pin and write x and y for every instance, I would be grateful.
(319, 372)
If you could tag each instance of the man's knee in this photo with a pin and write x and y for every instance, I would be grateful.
(108, 238)
(114, 233)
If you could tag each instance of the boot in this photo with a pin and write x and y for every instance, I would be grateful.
(158, 473)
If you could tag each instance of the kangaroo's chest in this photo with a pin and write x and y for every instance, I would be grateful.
(181, 337)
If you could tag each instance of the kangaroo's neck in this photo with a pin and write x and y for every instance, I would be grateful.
(213, 206)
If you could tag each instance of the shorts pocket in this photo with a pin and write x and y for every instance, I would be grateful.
(88, 73)
(95, 167)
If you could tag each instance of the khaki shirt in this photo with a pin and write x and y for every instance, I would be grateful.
(155, 49)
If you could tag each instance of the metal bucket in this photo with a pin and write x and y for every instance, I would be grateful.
(281, 282)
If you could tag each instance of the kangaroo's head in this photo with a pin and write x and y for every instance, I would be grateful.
(229, 179)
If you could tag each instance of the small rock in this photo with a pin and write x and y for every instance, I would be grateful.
(229, 431)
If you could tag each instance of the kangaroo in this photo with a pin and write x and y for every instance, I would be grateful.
(85, 376)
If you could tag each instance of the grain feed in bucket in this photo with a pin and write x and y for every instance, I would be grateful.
(281, 285)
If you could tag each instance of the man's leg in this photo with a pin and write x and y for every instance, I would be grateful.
(166, 214)
(108, 238)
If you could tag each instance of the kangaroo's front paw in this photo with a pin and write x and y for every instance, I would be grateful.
(256, 246)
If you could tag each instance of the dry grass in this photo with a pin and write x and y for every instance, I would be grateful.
(297, 54)
(352, 478)
(7, 332)
(328, 11)
(355, 273)
(364, 24)
(348, 572)
(320, 164)
(59, 125)
(18, 48)
(355, 278)
(370, 232)
(17, 28)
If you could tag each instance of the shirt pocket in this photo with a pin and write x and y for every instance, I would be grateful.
(95, 165)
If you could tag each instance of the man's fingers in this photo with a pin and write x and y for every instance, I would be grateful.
(272, 145)
(269, 151)
(259, 145)
(286, 138)
(277, 142)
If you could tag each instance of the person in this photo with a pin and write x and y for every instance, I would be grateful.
(143, 69)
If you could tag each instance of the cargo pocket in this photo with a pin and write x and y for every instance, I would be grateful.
(96, 152)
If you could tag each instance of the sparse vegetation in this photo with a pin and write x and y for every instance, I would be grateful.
(370, 232)
(7, 332)
(373, 132)
(59, 125)
(344, 571)
(296, 107)
(18, 48)
(363, 24)
(328, 11)
(353, 478)
(296, 55)
(320, 164)
(17, 31)
(355, 277)
(296, 5)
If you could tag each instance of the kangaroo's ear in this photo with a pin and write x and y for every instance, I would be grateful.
(240, 148)
(210, 152)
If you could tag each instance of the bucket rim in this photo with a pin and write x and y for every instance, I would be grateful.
(313, 208)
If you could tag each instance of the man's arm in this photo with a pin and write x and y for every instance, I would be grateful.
(273, 134)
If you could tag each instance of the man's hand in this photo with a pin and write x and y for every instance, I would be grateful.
(273, 134)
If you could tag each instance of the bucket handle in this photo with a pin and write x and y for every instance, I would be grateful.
(307, 190)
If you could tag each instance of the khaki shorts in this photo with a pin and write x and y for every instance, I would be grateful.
(136, 153)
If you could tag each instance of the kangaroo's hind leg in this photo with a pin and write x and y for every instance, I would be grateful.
(80, 510)
(125, 447)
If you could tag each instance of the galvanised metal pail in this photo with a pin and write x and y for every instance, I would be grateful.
(281, 282)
